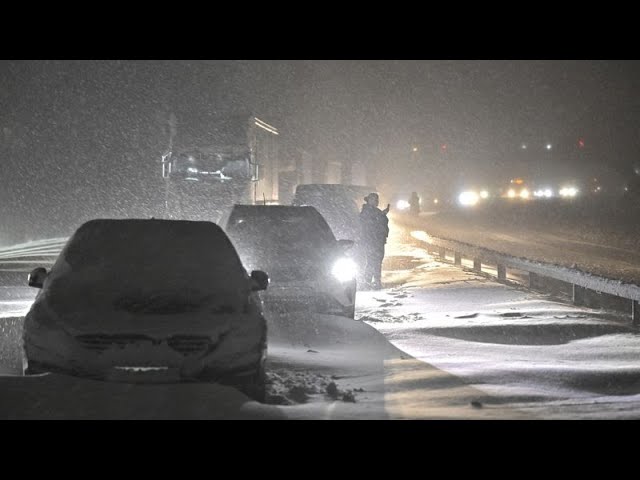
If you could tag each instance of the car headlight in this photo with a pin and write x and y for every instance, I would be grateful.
(402, 205)
(344, 269)
(468, 199)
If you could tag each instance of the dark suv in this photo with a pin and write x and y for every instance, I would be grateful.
(309, 269)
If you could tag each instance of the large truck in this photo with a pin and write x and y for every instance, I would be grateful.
(215, 162)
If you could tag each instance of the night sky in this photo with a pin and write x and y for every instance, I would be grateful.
(81, 139)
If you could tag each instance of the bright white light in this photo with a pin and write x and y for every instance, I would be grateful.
(548, 193)
(511, 193)
(523, 146)
(265, 126)
(435, 200)
(568, 191)
(524, 193)
(548, 146)
(192, 170)
(421, 235)
(415, 149)
(402, 205)
(344, 269)
(484, 194)
(468, 199)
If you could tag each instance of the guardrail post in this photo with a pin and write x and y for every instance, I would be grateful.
(533, 280)
(457, 258)
(579, 294)
(477, 264)
(635, 313)
(442, 252)
(502, 272)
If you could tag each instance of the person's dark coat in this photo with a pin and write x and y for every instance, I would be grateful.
(374, 226)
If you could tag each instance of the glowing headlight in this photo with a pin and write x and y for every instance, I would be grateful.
(402, 205)
(484, 194)
(511, 193)
(468, 198)
(192, 170)
(547, 193)
(568, 192)
(524, 193)
(344, 269)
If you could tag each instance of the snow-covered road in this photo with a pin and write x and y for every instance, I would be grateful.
(532, 353)
(462, 347)
(601, 250)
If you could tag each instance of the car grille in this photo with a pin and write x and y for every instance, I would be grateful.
(189, 344)
(184, 344)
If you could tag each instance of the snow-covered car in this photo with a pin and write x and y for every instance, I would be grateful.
(149, 301)
(309, 269)
(338, 204)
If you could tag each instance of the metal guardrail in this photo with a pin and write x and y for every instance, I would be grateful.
(579, 280)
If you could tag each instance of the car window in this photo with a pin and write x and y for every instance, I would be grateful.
(105, 259)
(302, 228)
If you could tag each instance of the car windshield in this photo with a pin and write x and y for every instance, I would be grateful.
(176, 263)
(279, 234)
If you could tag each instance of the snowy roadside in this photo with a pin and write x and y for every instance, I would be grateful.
(551, 359)
(319, 367)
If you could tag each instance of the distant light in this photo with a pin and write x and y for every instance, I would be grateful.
(548, 146)
(435, 200)
(415, 149)
(484, 194)
(568, 191)
(511, 193)
(192, 170)
(523, 146)
(524, 193)
(581, 143)
(402, 205)
(443, 146)
(548, 193)
(468, 199)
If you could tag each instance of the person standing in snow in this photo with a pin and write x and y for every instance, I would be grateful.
(414, 204)
(374, 230)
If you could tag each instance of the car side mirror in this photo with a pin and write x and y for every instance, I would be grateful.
(37, 276)
(259, 280)
(345, 244)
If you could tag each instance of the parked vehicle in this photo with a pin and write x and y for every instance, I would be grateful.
(338, 204)
(217, 161)
(149, 301)
(309, 269)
